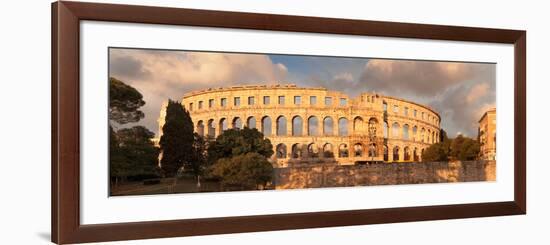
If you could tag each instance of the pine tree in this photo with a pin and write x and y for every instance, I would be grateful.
(176, 143)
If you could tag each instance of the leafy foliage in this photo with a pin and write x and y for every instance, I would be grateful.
(132, 154)
(436, 152)
(247, 171)
(234, 142)
(177, 140)
(198, 161)
(124, 102)
(469, 150)
(460, 148)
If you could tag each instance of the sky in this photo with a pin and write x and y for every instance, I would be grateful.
(459, 91)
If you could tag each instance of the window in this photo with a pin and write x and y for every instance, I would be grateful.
(237, 101)
(281, 126)
(223, 102)
(297, 126)
(210, 103)
(200, 105)
(343, 101)
(313, 100)
(297, 100)
(312, 126)
(266, 100)
(395, 109)
(406, 111)
(385, 107)
(343, 126)
(266, 126)
(328, 100)
(422, 115)
(414, 113)
(281, 100)
(405, 132)
(251, 100)
(395, 131)
(190, 106)
(328, 126)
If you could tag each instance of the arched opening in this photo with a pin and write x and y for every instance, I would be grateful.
(422, 133)
(281, 126)
(358, 127)
(200, 128)
(406, 132)
(428, 136)
(407, 154)
(372, 150)
(373, 127)
(211, 128)
(343, 151)
(313, 150)
(433, 137)
(313, 126)
(266, 126)
(327, 151)
(237, 123)
(297, 126)
(328, 126)
(281, 151)
(358, 150)
(415, 154)
(251, 122)
(343, 126)
(386, 157)
(296, 151)
(396, 154)
(223, 125)
(395, 131)
(415, 131)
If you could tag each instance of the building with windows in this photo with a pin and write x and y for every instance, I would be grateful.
(318, 125)
(487, 134)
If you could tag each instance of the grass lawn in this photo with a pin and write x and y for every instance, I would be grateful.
(166, 186)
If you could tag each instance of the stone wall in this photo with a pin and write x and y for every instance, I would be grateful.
(333, 175)
(299, 119)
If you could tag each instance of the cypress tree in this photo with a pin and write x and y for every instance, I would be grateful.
(176, 143)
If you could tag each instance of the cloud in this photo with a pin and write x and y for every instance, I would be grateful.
(459, 91)
(345, 76)
(421, 78)
(478, 91)
(160, 75)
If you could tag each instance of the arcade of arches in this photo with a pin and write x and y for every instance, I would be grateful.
(304, 126)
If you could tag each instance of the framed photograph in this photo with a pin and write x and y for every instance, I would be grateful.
(176, 122)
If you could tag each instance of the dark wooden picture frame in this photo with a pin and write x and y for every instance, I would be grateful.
(66, 17)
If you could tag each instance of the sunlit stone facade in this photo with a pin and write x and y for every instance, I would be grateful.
(488, 135)
(308, 125)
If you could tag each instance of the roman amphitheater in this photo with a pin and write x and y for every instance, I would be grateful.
(308, 125)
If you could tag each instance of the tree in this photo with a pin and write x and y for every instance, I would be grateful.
(469, 150)
(177, 139)
(460, 148)
(132, 153)
(436, 152)
(248, 171)
(456, 146)
(443, 135)
(124, 102)
(234, 142)
(198, 161)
